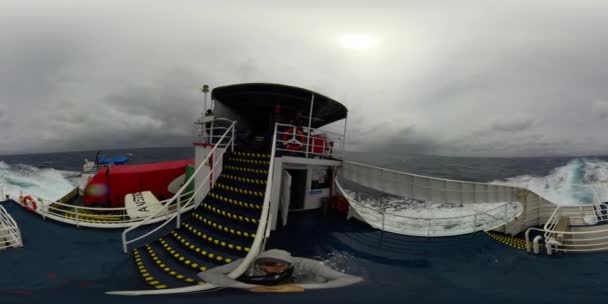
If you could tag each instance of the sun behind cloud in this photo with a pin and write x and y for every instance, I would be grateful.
(358, 41)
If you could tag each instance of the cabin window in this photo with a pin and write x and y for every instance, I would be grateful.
(320, 179)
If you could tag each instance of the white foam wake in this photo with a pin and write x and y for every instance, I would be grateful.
(47, 183)
(415, 217)
(566, 185)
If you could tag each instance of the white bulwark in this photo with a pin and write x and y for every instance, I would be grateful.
(141, 204)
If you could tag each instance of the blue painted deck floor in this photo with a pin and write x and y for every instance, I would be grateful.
(64, 264)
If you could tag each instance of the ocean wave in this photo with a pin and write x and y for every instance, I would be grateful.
(47, 183)
(570, 184)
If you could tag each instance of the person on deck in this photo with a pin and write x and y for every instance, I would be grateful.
(277, 271)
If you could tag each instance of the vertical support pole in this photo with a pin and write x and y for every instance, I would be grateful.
(179, 213)
(203, 135)
(382, 231)
(506, 211)
(232, 144)
(428, 228)
(527, 237)
(205, 90)
(312, 102)
(344, 137)
(275, 137)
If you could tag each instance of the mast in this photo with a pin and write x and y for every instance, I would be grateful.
(205, 90)
(201, 120)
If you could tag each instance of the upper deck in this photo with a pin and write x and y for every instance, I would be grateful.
(306, 123)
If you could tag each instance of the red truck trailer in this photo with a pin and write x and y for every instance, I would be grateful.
(110, 185)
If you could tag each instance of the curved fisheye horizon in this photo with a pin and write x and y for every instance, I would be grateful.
(227, 151)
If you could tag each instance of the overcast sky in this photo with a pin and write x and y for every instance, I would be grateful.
(475, 78)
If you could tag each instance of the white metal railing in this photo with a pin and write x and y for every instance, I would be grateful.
(589, 239)
(588, 221)
(535, 209)
(213, 130)
(263, 231)
(97, 217)
(433, 226)
(308, 143)
(176, 201)
(426, 188)
(93, 169)
(10, 235)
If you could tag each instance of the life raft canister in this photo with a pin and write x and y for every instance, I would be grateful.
(29, 203)
(293, 138)
(340, 204)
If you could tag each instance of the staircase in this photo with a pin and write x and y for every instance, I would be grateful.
(10, 235)
(221, 230)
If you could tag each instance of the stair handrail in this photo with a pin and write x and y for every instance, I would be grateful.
(262, 231)
(11, 226)
(177, 195)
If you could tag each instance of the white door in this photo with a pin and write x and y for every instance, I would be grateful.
(285, 195)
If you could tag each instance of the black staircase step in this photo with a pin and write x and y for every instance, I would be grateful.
(243, 185)
(248, 160)
(144, 272)
(183, 256)
(241, 168)
(233, 171)
(231, 213)
(213, 254)
(219, 223)
(249, 154)
(236, 199)
(246, 167)
(217, 239)
(150, 273)
(177, 272)
(245, 180)
(240, 190)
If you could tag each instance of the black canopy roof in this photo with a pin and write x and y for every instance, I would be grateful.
(256, 101)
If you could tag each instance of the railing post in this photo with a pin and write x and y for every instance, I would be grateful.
(382, 230)
(428, 227)
(77, 217)
(474, 222)
(506, 212)
(211, 132)
(124, 243)
(527, 237)
(312, 102)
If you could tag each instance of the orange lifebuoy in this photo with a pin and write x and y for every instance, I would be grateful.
(29, 203)
(293, 139)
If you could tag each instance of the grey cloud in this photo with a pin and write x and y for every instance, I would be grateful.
(512, 124)
(467, 78)
(600, 108)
